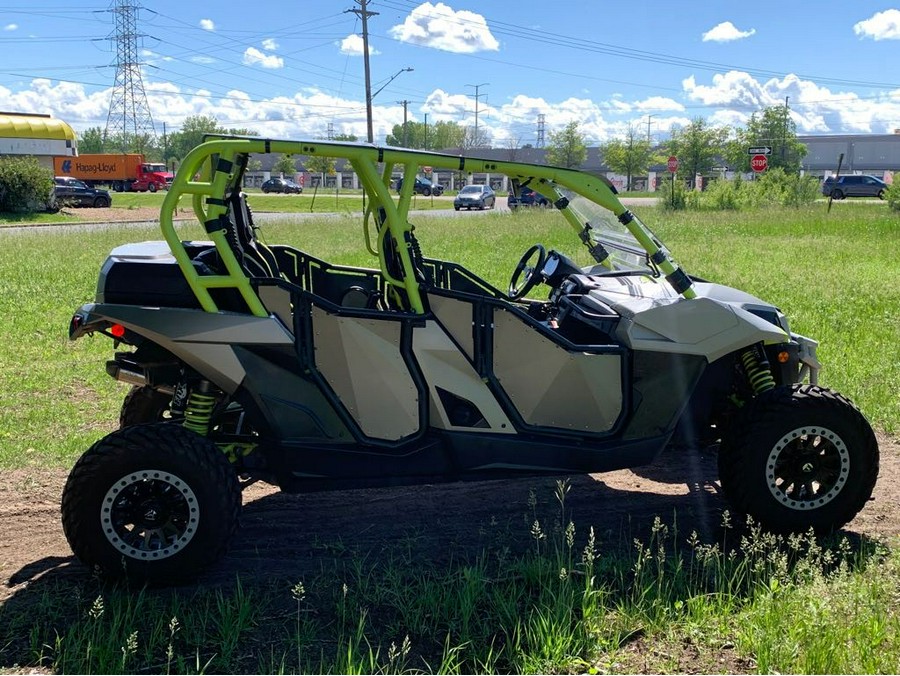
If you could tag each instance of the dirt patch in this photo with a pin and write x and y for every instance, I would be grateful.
(286, 535)
(114, 215)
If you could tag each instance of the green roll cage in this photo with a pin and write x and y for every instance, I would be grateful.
(212, 170)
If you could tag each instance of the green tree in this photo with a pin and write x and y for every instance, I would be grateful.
(352, 138)
(630, 156)
(191, 134)
(91, 141)
(286, 165)
(567, 147)
(698, 148)
(437, 136)
(773, 128)
(316, 164)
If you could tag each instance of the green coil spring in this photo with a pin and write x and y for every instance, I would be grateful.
(759, 373)
(198, 413)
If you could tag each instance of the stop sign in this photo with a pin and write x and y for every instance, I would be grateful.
(759, 163)
(672, 163)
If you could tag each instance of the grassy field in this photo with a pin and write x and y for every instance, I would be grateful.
(567, 603)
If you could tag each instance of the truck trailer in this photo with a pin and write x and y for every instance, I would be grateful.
(121, 172)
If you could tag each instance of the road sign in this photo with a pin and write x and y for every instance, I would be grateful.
(672, 163)
(759, 163)
(760, 150)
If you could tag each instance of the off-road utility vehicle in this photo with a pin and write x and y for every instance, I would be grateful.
(254, 362)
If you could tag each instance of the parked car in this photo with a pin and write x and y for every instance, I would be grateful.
(854, 186)
(472, 196)
(71, 192)
(282, 185)
(423, 186)
(526, 198)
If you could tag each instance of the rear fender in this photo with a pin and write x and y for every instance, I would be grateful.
(204, 341)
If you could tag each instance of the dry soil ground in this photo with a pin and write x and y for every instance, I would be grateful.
(288, 536)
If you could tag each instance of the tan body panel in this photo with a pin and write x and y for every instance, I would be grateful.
(552, 387)
(361, 361)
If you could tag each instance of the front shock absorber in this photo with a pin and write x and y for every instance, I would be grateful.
(199, 409)
(758, 370)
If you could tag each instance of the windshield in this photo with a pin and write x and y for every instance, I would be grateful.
(626, 253)
(470, 189)
(156, 167)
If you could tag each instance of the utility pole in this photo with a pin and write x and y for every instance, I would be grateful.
(426, 131)
(541, 129)
(404, 103)
(330, 131)
(477, 95)
(165, 148)
(364, 14)
(784, 130)
(648, 127)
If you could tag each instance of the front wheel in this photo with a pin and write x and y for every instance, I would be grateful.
(837, 194)
(882, 194)
(101, 202)
(152, 503)
(799, 458)
(152, 187)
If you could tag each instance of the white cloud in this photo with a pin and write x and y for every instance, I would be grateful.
(207, 24)
(203, 59)
(814, 109)
(352, 45)
(270, 44)
(11, 27)
(440, 27)
(726, 32)
(880, 26)
(254, 57)
(660, 103)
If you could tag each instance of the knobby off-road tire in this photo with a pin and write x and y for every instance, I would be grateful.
(799, 458)
(144, 405)
(153, 503)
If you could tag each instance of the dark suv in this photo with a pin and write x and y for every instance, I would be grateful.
(526, 198)
(423, 186)
(282, 185)
(854, 186)
(70, 192)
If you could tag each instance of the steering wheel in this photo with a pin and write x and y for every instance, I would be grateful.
(531, 276)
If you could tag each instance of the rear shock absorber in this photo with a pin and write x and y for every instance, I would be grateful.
(199, 409)
(758, 370)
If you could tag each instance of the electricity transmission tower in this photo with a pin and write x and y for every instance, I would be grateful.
(541, 122)
(129, 115)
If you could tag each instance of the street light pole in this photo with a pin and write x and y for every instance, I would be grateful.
(477, 87)
(391, 79)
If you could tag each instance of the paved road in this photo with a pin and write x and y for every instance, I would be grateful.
(269, 217)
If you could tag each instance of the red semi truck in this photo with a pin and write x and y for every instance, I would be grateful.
(123, 173)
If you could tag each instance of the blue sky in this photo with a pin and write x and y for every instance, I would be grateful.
(291, 69)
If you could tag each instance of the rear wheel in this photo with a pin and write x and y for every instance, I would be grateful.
(837, 194)
(799, 458)
(427, 192)
(152, 503)
(144, 405)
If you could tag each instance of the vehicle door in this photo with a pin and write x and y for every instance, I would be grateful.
(870, 187)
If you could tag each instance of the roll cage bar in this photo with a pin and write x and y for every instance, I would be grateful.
(212, 172)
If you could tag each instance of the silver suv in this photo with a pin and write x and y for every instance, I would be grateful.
(854, 186)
